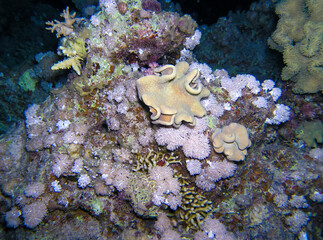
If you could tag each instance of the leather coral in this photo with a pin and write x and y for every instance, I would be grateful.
(233, 140)
(173, 94)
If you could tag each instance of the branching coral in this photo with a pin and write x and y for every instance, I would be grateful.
(63, 28)
(74, 49)
(173, 95)
(299, 37)
(72, 46)
(233, 140)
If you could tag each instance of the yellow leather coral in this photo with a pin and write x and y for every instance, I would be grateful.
(173, 94)
(299, 37)
(233, 140)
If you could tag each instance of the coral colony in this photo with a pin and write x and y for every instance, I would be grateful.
(145, 142)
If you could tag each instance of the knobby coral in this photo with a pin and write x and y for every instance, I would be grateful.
(299, 37)
(173, 94)
(233, 140)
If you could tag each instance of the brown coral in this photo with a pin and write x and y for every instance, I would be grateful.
(232, 140)
(63, 28)
(299, 37)
(173, 94)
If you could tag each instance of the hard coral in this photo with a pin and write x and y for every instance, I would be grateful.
(233, 140)
(72, 46)
(173, 95)
(74, 50)
(63, 28)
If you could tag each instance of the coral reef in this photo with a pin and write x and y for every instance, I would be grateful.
(299, 37)
(87, 163)
(173, 95)
(119, 33)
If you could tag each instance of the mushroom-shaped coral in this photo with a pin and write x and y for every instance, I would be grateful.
(232, 140)
(173, 94)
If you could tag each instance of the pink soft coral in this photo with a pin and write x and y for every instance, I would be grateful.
(167, 188)
(194, 140)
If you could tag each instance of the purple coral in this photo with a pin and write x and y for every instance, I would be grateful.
(194, 166)
(167, 188)
(194, 141)
(213, 173)
(214, 228)
(121, 179)
(34, 213)
(34, 190)
(281, 115)
(151, 5)
(163, 223)
(83, 180)
(62, 164)
(297, 221)
(213, 106)
(118, 177)
(235, 85)
(146, 137)
(170, 235)
(12, 218)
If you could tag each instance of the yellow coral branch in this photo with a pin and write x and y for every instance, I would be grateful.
(62, 28)
(73, 62)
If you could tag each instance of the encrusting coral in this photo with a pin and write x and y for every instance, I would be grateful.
(232, 140)
(299, 37)
(311, 132)
(173, 95)
(144, 163)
